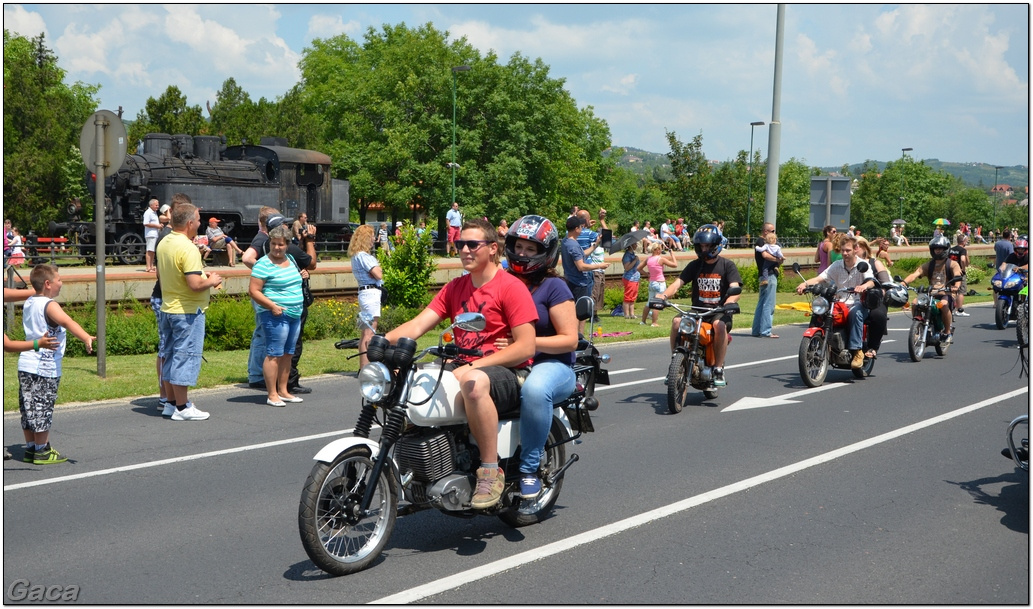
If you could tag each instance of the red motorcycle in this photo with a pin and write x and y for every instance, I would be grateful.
(824, 341)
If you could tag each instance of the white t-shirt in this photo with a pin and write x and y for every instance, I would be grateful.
(150, 217)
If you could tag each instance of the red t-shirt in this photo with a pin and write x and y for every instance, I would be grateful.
(504, 301)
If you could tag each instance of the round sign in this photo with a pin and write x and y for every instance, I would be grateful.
(114, 142)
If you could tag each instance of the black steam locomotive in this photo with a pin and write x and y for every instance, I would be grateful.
(231, 183)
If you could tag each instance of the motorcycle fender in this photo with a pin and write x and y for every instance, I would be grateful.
(809, 332)
(602, 377)
(560, 415)
(328, 453)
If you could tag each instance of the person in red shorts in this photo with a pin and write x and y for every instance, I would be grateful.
(489, 384)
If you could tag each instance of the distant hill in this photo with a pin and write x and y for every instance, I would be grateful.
(977, 175)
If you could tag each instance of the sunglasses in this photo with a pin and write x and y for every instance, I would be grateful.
(472, 244)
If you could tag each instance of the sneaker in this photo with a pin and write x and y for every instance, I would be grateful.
(858, 361)
(7, 454)
(489, 488)
(962, 314)
(48, 456)
(719, 377)
(29, 456)
(162, 403)
(530, 486)
(945, 337)
(299, 389)
(190, 413)
(169, 410)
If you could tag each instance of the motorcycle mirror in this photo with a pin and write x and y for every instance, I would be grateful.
(735, 290)
(471, 322)
(862, 266)
(897, 278)
(796, 267)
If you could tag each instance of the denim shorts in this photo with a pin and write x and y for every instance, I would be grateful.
(656, 287)
(184, 345)
(281, 333)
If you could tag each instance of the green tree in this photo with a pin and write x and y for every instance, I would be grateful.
(690, 186)
(169, 113)
(43, 118)
(408, 269)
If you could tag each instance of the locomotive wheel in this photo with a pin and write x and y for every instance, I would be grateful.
(130, 249)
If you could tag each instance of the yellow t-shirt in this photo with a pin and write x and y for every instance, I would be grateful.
(177, 257)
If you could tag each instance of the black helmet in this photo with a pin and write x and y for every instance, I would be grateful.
(708, 234)
(538, 230)
(939, 241)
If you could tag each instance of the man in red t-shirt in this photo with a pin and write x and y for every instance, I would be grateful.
(489, 384)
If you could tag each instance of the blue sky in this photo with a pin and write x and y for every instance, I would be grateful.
(859, 81)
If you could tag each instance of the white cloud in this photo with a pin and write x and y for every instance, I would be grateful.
(624, 85)
(23, 22)
(328, 26)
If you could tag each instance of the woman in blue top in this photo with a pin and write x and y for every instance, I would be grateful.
(532, 248)
(370, 277)
(276, 289)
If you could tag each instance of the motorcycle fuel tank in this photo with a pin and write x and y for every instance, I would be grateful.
(445, 406)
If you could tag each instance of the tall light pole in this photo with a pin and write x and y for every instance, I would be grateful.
(901, 211)
(749, 179)
(996, 168)
(453, 165)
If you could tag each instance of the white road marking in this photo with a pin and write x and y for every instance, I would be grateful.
(215, 453)
(494, 568)
(625, 371)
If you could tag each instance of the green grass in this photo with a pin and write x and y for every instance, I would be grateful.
(134, 375)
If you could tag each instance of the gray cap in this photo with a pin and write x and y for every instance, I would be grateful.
(276, 220)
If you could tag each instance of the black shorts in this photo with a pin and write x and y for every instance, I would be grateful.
(504, 385)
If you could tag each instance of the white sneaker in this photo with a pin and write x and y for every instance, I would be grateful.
(169, 410)
(962, 313)
(190, 413)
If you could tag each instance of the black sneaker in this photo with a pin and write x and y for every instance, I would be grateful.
(29, 456)
(7, 454)
(299, 389)
(257, 385)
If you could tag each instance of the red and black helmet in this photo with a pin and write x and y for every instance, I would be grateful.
(540, 231)
(1021, 244)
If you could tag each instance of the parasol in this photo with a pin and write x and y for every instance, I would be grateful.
(625, 241)
(899, 221)
(942, 222)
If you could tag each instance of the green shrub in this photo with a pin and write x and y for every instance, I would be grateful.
(331, 319)
(975, 274)
(408, 269)
(613, 298)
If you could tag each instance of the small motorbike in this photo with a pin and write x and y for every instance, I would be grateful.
(1007, 284)
(1022, 317)
(824, 342)
(426, 456)
(927, 323)
(1018, 452)
(693, 360)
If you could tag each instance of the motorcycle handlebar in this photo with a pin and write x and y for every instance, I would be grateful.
(452, 350)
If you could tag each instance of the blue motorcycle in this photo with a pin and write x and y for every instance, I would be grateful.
(1007, 284)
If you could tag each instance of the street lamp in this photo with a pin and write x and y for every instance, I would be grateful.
(901, 211)
(453, 165)
(749, 178)
(996, 168)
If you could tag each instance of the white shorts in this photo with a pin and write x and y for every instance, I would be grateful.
(151, 243)
(369, 302)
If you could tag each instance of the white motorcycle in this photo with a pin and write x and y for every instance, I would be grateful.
(426, 456)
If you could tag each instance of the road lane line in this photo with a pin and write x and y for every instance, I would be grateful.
(660, 378)
(494, 568)
(215, 453)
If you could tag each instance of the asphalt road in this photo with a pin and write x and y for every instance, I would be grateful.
(887, 490)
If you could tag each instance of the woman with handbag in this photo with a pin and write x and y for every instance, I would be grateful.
(370, 277)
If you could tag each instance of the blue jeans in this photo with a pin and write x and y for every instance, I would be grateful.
(763, 314)
(858, 314)
(549, 382)
(257, 354)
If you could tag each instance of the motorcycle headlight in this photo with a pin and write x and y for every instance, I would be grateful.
(374, 382)
(819, 306)
(922, 300)
(688, 325)
(996, 283)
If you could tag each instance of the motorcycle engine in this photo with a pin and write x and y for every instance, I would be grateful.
(429, 454)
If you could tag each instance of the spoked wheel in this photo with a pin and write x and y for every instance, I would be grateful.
(337, 536)
(130, 249)
(1022, 324)
(916, 340)
(678, 376)
(814, 362)
(1001, 314)
(533, 511)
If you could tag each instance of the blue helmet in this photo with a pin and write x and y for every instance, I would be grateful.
(708, 234)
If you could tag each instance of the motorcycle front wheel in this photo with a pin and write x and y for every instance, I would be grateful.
(336, 536)
(916, 340)
(813, 360)
(1001, 313)
(533, 511)
(1022, 324)
(678, 375)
